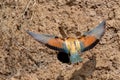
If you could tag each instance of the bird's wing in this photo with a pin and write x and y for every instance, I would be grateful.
(51, 41)
(92, 37)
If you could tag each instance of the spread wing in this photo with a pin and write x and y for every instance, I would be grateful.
(51, 41)
(92, 37)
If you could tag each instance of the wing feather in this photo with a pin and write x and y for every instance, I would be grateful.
(92, 37)
(49, 40)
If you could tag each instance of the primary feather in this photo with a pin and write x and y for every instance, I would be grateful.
(43, 38)
(98, 31)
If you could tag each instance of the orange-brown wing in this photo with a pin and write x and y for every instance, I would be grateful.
(51, 41)
(92, 37)
(88, 42)
(56, 44)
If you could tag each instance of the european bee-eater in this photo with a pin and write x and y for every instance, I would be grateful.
(72, 46)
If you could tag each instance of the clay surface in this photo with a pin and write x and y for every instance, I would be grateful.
(23, 58)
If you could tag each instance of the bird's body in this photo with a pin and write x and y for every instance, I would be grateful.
(72, 46)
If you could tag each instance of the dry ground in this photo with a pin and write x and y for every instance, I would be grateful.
(22, 58)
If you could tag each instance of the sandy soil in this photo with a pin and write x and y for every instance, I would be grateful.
(23, 58)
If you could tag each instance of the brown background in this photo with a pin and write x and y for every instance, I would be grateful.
(23, 58)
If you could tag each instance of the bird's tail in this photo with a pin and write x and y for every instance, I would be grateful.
(74, 58)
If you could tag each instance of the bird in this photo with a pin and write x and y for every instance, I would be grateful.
(72, 46)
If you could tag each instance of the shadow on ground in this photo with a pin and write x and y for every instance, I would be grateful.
(87, 69)
(63, 57)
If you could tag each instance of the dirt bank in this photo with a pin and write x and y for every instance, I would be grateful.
(22, 58)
